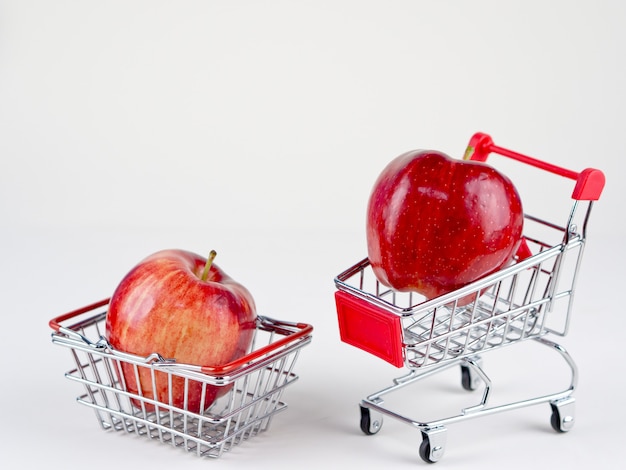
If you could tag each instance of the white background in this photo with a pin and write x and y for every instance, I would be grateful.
(257, 128)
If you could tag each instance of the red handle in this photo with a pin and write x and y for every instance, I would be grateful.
(304, 329)
(589, 182)
(55, 323)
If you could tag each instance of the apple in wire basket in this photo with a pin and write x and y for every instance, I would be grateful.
(184, 307)
(435, 224)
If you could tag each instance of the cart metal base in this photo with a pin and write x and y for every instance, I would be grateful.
(473, 375)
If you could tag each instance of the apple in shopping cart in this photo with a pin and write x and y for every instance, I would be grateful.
(181, 306)
(435, 224)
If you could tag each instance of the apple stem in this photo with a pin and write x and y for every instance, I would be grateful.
(207, 266)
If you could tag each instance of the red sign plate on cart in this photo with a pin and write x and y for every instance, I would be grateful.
(369, 328)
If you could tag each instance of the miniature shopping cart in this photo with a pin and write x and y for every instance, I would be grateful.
(529, 299)
(250, 389)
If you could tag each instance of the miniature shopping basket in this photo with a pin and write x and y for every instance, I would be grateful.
(250, 389)
(528, 299)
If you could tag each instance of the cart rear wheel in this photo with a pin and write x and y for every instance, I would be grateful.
(370, 422)
(555, 420)
(562, 419)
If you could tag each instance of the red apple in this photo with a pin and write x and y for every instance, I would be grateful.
(435, 224)
(181, 306)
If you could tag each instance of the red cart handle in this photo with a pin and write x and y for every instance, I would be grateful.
(589, 182)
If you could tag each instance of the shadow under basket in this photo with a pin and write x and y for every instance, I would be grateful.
(249, 391)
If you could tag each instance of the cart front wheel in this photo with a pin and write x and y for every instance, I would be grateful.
(433, 444)
(470, 378)
(466, 379)
(425, 450)
(370, 422)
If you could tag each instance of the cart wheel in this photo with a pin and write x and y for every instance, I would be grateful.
(470, 380)
(562, 418)
(425, 450)
(466, 379)
(433, 444)
(370, 424)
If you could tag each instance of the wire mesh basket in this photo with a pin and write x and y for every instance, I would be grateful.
(526, 300)
(237, 401)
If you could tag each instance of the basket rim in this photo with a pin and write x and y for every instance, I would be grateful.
(293, 333)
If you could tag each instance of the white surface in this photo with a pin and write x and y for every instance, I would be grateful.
(257, 129)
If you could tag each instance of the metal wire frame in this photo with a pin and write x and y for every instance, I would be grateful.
(250, 395)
